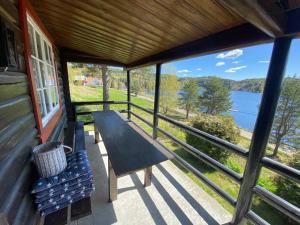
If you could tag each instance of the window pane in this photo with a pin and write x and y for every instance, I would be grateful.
(56, 92)
(47, 100)
(39, 47)
(43, 74)
(30, 30)
(36, 73)
(40, 102)
(50, 55)
(50, 78)
(53, 96)
(46, 52)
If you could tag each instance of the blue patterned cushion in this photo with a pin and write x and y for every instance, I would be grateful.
(77, 166)
(64, 186)
(66, 197)
(63, 190)
(64, 204)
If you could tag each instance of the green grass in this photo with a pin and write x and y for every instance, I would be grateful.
(236, 163)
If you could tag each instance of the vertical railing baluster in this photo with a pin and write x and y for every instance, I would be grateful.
(156, 100)
(262, 127)
(128, 95)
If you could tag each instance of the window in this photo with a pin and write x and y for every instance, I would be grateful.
(43, 72)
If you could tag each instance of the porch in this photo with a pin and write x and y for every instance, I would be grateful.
(132, 35)
(172, 198)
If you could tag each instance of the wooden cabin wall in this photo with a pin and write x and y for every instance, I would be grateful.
(18, 134)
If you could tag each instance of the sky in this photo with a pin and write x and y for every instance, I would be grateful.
(237, 64)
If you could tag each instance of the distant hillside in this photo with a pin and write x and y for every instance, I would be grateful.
(250, 85)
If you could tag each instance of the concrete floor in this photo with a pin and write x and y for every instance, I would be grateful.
(172, 198)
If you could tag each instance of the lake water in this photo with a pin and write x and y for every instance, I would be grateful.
(245, 107)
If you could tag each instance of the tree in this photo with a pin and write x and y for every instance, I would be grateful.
(135, 86)
(217, 125)
(142, 79)
(216, 97)
(190, 96)
(287, 119)
(168, 92)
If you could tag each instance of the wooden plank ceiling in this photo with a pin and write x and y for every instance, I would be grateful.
(129, 30)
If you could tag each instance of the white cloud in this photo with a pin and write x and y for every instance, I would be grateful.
(231, 54)
(220, 63)
(183, 71)
(236, 62)
(234, 69)
(264, 61)
(199, 69)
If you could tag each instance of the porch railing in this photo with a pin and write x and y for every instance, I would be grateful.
(270, 198)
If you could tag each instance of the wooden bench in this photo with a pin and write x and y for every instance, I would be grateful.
(73, 136)
(129, 149)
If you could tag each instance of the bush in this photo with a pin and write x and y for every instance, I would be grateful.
(288, 189)
(219, 126)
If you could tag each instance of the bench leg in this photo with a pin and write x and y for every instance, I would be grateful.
(148, 176)
(112, 181)
(97, 137)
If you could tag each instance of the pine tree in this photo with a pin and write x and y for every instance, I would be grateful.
(190, 96)
(216, 97)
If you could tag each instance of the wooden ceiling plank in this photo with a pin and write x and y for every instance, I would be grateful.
(91, 20)
(213, 10)
(178, 8)
(174, 30)
(77, 25)
(124, 58)
(104, 46)
(105, 55)
(63, 28)
(168, 16)
(240, 36)
(137, 17)
(80, 57)
(92, 45)
(255, 14)
(108, 16)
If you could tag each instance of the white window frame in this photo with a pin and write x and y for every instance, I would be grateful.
(42, 88)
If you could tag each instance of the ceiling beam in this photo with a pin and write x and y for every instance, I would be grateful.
(241, 36)
(75, 56)
(293, 25)
(255, 14)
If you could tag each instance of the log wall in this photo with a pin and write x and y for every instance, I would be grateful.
(18, 133)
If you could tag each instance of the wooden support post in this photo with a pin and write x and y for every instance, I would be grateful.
(148, 176)
(71, 114)
(112, 182)
(128, 94)
(262, 127)
(156, 100)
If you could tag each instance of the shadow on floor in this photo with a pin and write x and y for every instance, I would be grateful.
(202, 212)
(101, 207)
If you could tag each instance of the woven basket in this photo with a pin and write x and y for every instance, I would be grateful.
(50, 158)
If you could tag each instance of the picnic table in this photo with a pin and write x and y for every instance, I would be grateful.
(129, 149)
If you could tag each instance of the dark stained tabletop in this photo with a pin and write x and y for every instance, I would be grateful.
(127, 148)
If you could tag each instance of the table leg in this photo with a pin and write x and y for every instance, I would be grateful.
(112, 183)
(97, 137)
(148, 176)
